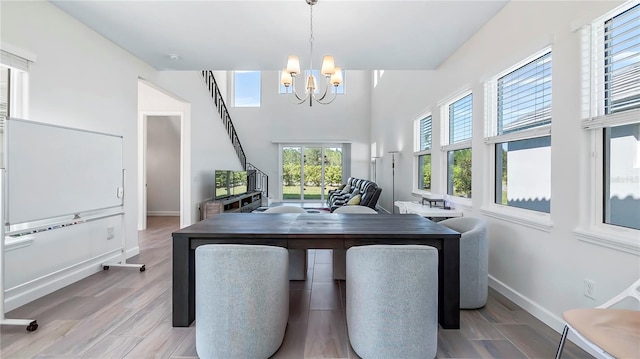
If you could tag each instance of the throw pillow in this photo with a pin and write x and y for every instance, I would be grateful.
(355, 200)
(346, 189)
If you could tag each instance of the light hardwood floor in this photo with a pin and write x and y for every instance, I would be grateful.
(123, 313)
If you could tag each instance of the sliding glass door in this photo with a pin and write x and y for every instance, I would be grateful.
(309, 172)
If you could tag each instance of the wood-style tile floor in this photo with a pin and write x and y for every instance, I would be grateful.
(123, 313)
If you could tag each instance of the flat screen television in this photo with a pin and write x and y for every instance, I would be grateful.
(230, 183)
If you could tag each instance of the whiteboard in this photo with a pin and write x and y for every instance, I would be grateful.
(54, 171)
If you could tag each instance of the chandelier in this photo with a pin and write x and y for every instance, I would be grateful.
(332, 74)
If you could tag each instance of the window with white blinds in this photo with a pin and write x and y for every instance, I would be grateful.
(612, 115)
(425, 133)
(422, 147)
(460, 119)
(622, 61)
(614, 88)
(519, 127)
(524, 96)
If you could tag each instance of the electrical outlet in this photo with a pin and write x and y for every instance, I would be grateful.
(110, 233)
(590, 288)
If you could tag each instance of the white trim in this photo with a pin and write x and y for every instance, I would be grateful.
(163, 213)
(541, 131)
(456, 146)
(550, 319)
(27, 55)
(618, 238)
(462, 92)
(617, 119)
(528, 218)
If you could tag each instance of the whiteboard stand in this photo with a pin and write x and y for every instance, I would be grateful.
(123, 255)
(30, 324)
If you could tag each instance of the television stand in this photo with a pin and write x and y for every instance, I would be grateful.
(244, 203)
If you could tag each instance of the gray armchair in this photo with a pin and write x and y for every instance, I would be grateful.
(474, 260)
(242, 300)
(392, 307)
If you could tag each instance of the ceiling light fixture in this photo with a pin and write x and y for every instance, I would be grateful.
(332, 74)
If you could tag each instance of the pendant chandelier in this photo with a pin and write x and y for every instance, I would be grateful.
(332, 74)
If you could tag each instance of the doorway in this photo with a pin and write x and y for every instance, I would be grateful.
(309, 172)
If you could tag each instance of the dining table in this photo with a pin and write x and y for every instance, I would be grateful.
(316, 231)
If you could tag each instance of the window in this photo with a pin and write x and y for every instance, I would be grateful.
(458, 116)
(520, 130)
(613, 116)
(246, 89)
(622, 174)
(13, 90)
(422, 146)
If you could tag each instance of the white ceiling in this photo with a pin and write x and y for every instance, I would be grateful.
(259, 35)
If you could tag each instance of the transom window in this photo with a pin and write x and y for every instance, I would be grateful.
(246, 89)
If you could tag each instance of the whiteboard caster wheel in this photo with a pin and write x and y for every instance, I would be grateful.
(105, 267)
(32, 326)
(142, 269)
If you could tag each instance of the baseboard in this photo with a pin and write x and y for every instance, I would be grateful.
(163, 213)
(37, 288)
(553, 321)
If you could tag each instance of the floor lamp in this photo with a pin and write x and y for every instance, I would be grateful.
(393, 181)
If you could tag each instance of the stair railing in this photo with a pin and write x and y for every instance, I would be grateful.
(258, 180)
(214, 90)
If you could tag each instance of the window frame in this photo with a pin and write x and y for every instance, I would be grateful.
(233, 89)
(418, 151)
(492, 139)
(593, 228)
(446, 147)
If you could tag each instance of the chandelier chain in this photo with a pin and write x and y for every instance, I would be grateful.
(311, 40)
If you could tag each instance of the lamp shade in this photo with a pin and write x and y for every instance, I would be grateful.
(293, 65)
(336, 78)
(311, 83)
(328, 66)
(285, 78)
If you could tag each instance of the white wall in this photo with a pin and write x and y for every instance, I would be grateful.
(84, 81)
(347, 119)
(210, 146)
(540, 266)
(163, 165)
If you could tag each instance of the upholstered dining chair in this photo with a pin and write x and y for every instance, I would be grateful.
(340, 255)
(610, 332)
(242, 300)
(297, 257)
(391, 304)
(474, 260)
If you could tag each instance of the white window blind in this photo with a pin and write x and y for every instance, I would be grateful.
(524, 97)
(615, 74)
(425, 133)
(622, 61)
(460, 119)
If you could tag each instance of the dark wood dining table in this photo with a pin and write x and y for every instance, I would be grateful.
(316, 231)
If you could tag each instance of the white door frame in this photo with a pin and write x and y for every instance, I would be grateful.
(302, 146)
(185, 169)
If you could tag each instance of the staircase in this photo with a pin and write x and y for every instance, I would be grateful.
(257, 179)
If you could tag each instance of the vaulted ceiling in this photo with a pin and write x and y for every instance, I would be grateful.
(259, 35)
